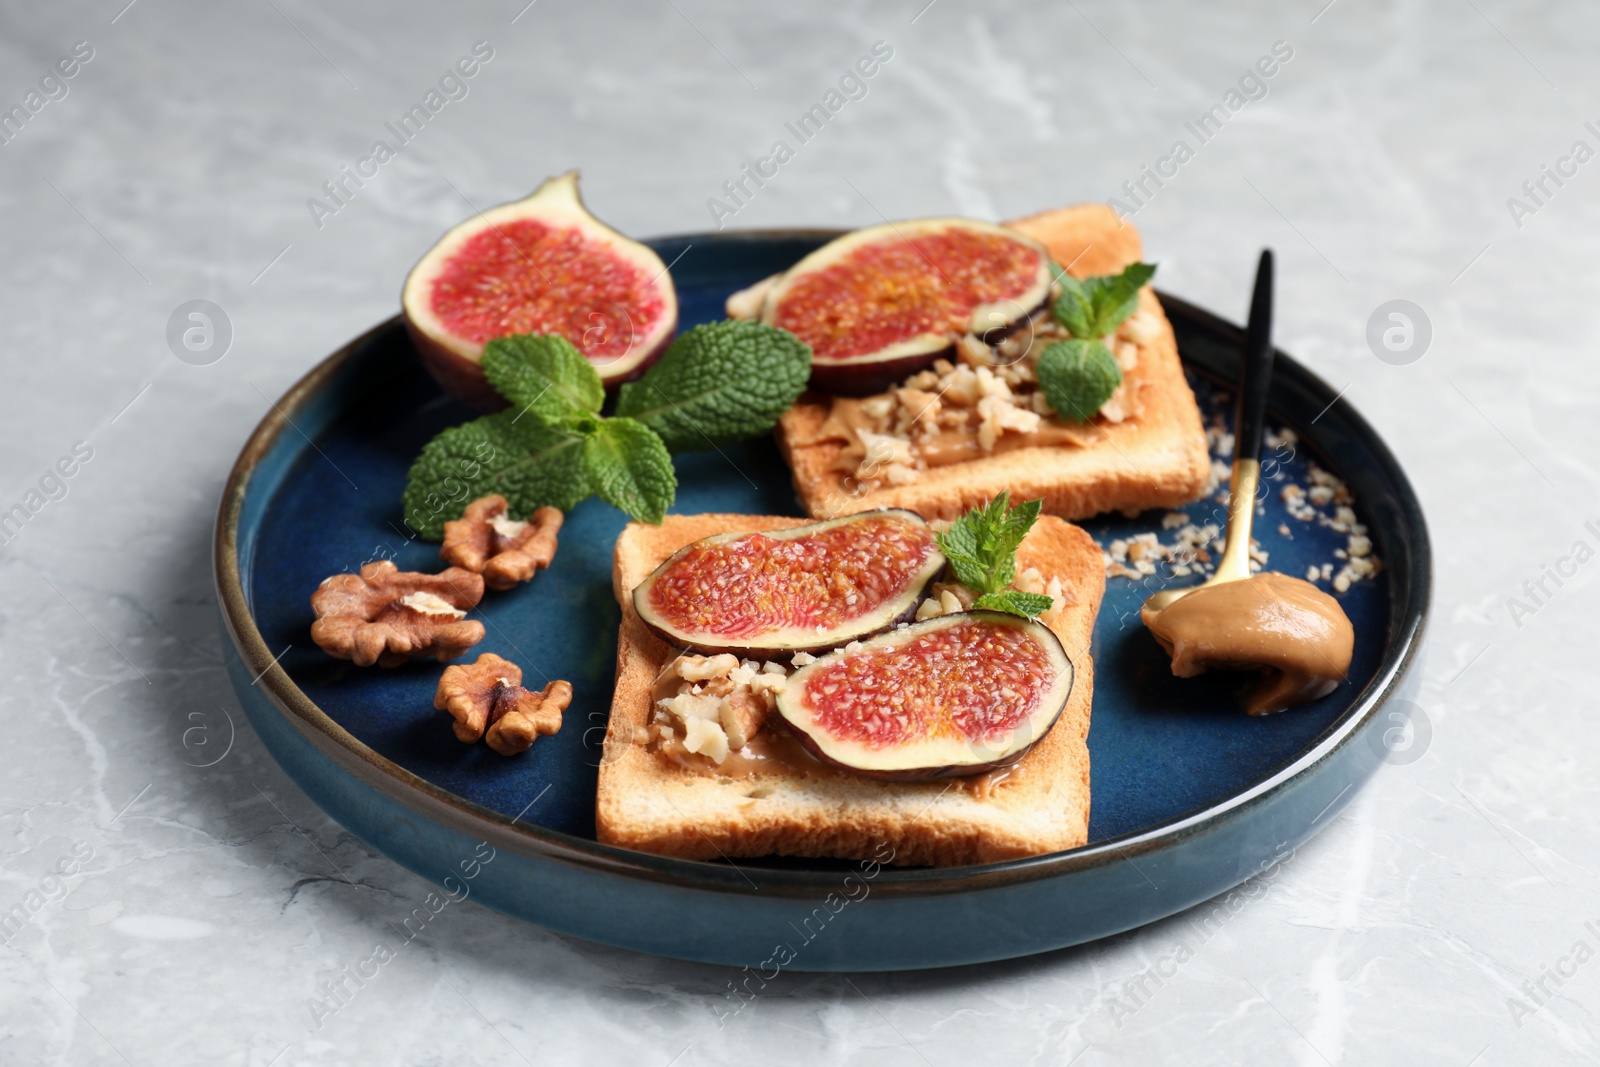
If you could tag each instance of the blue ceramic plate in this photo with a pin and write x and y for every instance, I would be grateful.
(1190, 797)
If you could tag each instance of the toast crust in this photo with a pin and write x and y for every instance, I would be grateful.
(1157, 459)
(647, 803)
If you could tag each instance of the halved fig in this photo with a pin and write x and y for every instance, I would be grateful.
(953, 696)
(539, 265)
(880, 304)
(805, 589)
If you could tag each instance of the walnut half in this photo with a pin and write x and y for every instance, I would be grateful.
(506, 551)
(487, 700)
(387, 616)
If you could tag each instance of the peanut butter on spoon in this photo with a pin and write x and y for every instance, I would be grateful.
(1285, 627)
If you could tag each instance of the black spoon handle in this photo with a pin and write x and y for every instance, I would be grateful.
(1256, 378)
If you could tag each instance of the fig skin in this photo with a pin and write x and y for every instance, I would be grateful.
(871, 378)
(947, 770)
(459, 376)
(815, 643)
(918, 774)
(455, 361)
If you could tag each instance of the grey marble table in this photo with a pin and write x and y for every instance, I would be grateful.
(1427, 152)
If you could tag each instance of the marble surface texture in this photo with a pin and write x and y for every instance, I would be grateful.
(1449, 916)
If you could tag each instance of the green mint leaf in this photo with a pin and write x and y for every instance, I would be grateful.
(969, 572)
(1117, 296)
(1095, 307)
(994, 512)
(1001, 564)
(543, 375)
(982, 544)
(962, 545)
(1016, 524)
(1008, 533)
(630, 469)
(1078, 377)
(1074, 308)
(961, 541)
(995, 553)
(1014, 602)
(718, 383)
(531, 463)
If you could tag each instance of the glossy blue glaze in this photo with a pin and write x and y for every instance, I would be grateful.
(1198, 793)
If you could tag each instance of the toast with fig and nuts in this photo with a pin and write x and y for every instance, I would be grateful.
(1153, 455)
(651, 801)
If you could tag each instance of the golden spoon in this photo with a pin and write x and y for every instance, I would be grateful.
(1249, 429)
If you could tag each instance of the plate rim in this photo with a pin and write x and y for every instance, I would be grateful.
(436, 804)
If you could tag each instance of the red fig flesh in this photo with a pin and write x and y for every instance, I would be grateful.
(805, 589)
(955, 695)
(879, 304)
(540, 265)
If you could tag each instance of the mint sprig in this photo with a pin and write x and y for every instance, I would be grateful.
(1079, 376)
(981, 547)
(1094, 307)
(552, 448)
(718, 383)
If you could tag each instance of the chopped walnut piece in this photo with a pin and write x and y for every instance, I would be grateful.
(997, 415)
(1123, 404)
(921, 407)
(700, 668)
(506, 551)
(974, 352)
(387, 616)
(962, 596)
(746, 303)
(1030, 580)
(1142, 328)
(718, 702)
(743, 714)
(487, 700)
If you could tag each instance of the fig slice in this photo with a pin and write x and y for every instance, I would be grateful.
(952, 696)
(882, 303)
(540, 265)
(805, 589)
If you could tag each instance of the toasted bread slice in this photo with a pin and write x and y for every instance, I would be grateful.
(1157, 458)
(649, 803)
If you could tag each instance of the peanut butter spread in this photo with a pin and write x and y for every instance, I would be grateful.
(1286, 627)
